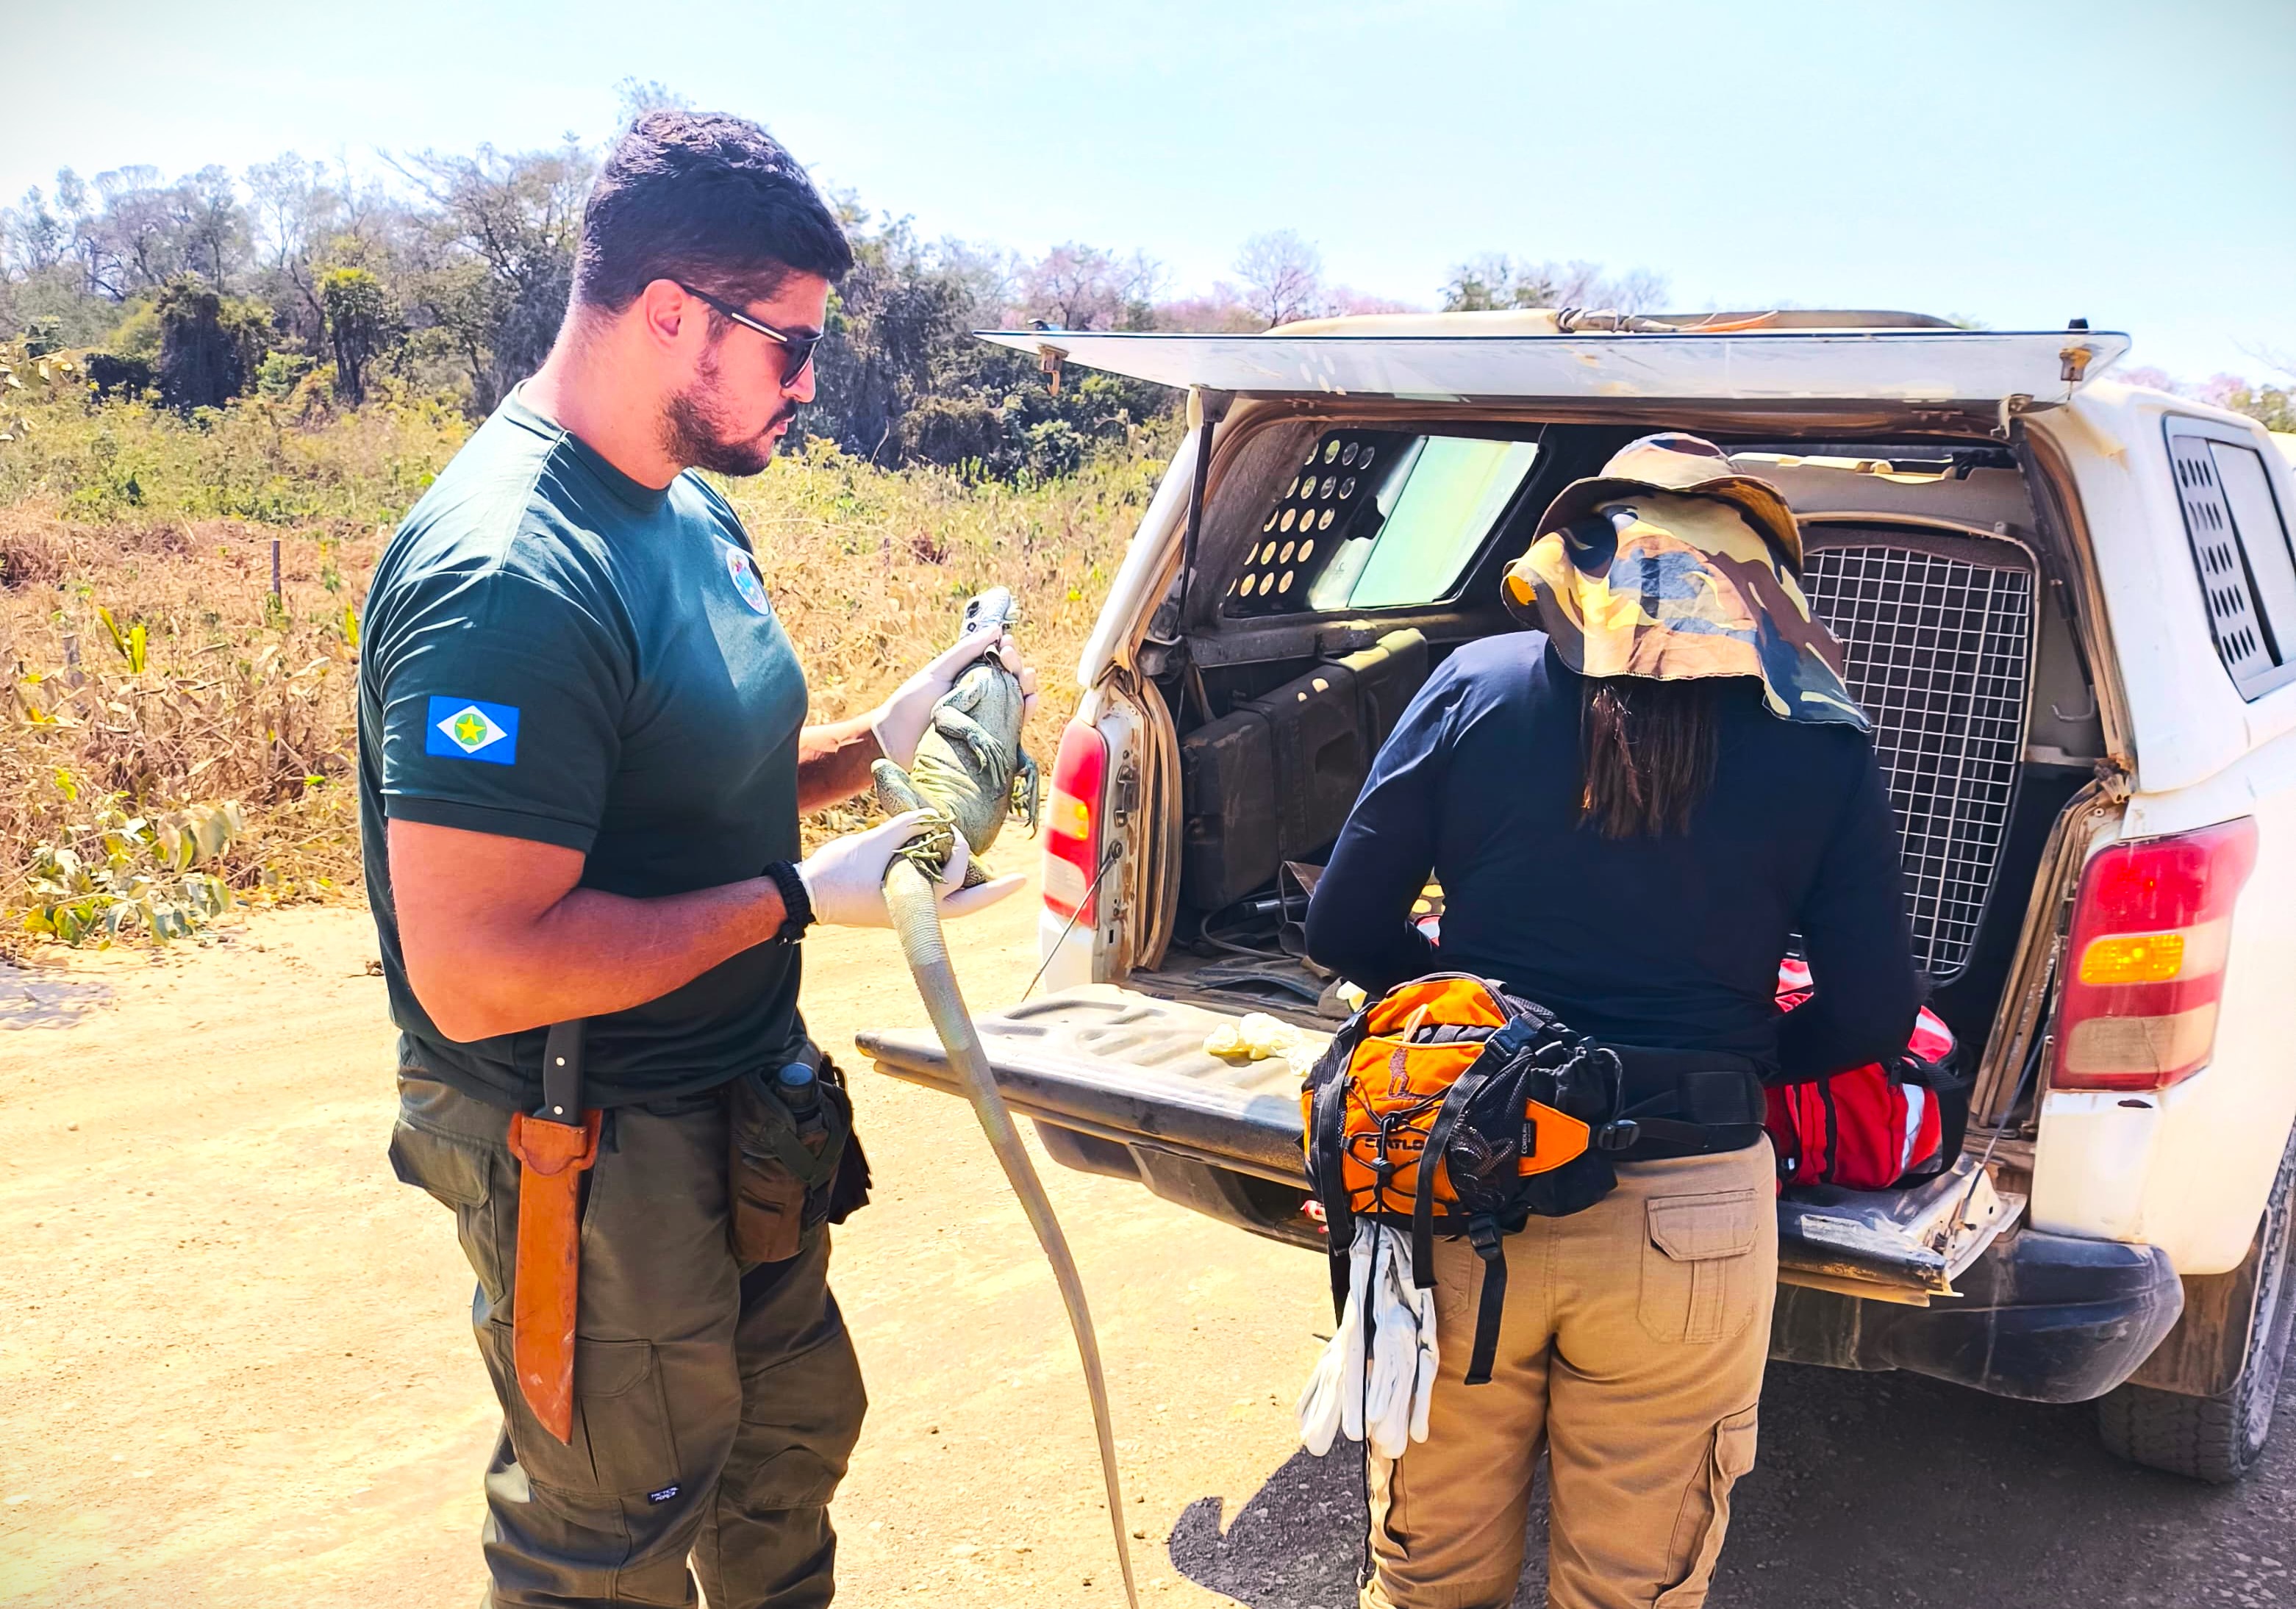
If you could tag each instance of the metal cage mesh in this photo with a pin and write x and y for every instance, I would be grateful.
(1939, 650)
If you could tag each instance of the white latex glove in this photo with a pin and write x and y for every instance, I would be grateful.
(1256, 1036)
(845, 878)
(899, 723)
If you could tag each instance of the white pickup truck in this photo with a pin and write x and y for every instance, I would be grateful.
(2069, 607)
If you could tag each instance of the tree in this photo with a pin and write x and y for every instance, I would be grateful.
(1282, 277)
(893, 320)
(358, 315)
(295, 211)
(1080, 287)
(1494, 281)
(633, 99)
(209, 347)
(518, 217)
(210, 224)
(33, 239)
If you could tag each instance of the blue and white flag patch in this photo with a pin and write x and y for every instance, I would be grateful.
(471, 729)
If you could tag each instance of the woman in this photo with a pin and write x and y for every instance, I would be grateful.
(1630, 810)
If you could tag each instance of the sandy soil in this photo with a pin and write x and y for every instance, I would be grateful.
(235, 1367)
(235, 1364)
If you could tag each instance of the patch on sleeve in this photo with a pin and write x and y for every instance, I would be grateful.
(470, 728)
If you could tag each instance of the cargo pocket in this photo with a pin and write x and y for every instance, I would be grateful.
(1698, 1270)
(457, 1174)
(801, 1417)
(622, 1445)
(1705, 1517)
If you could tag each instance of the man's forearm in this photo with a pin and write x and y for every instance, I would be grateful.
(833, 761)
(589, 954)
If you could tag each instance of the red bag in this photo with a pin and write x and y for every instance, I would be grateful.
(1868, 1128)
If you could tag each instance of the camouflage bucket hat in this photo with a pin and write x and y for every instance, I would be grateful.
(1673, 572)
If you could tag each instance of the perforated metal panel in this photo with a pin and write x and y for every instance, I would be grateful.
(1939, 652)
(1317, 512)
(2224, 580)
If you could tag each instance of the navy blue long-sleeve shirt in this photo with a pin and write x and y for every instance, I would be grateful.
(1669, 942)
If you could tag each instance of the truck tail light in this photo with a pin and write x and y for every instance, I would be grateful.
(1073, 822)
(2145, 968)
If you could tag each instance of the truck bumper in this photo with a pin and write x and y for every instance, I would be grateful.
(2045, 1318)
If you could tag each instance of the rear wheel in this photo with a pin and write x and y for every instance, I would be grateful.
(2219, 1438)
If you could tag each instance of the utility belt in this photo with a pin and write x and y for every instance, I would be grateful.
(792, 1165)
(1450, 1106)
(1688, 1103)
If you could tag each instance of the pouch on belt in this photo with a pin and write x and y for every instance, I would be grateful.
(792, 1161)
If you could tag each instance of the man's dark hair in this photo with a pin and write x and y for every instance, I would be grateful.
(708, 199)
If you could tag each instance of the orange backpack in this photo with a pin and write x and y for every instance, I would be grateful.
(1519, 1113)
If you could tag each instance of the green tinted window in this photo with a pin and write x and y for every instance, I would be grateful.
(1378, 519)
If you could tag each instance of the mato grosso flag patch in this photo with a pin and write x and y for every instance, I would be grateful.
(471, 729)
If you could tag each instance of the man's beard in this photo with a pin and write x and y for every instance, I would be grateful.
(693, 431)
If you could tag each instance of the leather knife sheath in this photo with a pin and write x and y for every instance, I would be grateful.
(555, 1145)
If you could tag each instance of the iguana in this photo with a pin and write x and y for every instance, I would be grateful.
(970, 772)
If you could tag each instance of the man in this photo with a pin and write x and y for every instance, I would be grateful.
(582, 764)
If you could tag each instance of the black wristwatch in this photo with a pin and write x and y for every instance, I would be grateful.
(797, 905)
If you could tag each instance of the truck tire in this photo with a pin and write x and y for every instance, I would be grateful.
(2218, 1439)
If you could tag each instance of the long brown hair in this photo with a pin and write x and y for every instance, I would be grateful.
(1646, 753)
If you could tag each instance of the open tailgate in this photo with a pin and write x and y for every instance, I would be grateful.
(1124, 1067)
(1972, 367)
(1131, 1069)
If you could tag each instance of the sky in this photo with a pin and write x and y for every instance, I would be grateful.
(2020, 162)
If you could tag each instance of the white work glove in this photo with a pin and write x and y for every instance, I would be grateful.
(899, 723)
(1332, 1401)
(845, 878)
(1422, 1379)
(1394, 1396)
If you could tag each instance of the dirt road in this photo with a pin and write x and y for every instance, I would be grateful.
(235, 1367)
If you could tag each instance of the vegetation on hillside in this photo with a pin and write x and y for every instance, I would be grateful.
(153, 677)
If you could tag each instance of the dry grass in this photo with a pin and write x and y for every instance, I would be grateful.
(244, 698)
(237, 699)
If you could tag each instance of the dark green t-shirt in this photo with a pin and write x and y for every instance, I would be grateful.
(552, 651)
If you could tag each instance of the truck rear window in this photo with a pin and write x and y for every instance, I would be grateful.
(1377, 519)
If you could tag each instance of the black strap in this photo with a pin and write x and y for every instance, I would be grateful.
(1331, 1182)
(1490, 1246)
(1188, 541)
(1697, 1139)
(1827, 1174)
(1438, 1139)
(562, 1074)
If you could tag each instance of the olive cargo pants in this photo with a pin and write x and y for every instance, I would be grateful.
(715, 1405)
(1632, 1346)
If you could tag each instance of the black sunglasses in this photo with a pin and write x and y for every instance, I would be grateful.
(799, 348)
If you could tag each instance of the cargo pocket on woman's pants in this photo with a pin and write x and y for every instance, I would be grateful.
(1705, 1517)
(1698, 1272)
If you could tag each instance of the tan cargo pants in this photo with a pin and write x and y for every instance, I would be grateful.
(714, 1404)
(1632, 1348)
